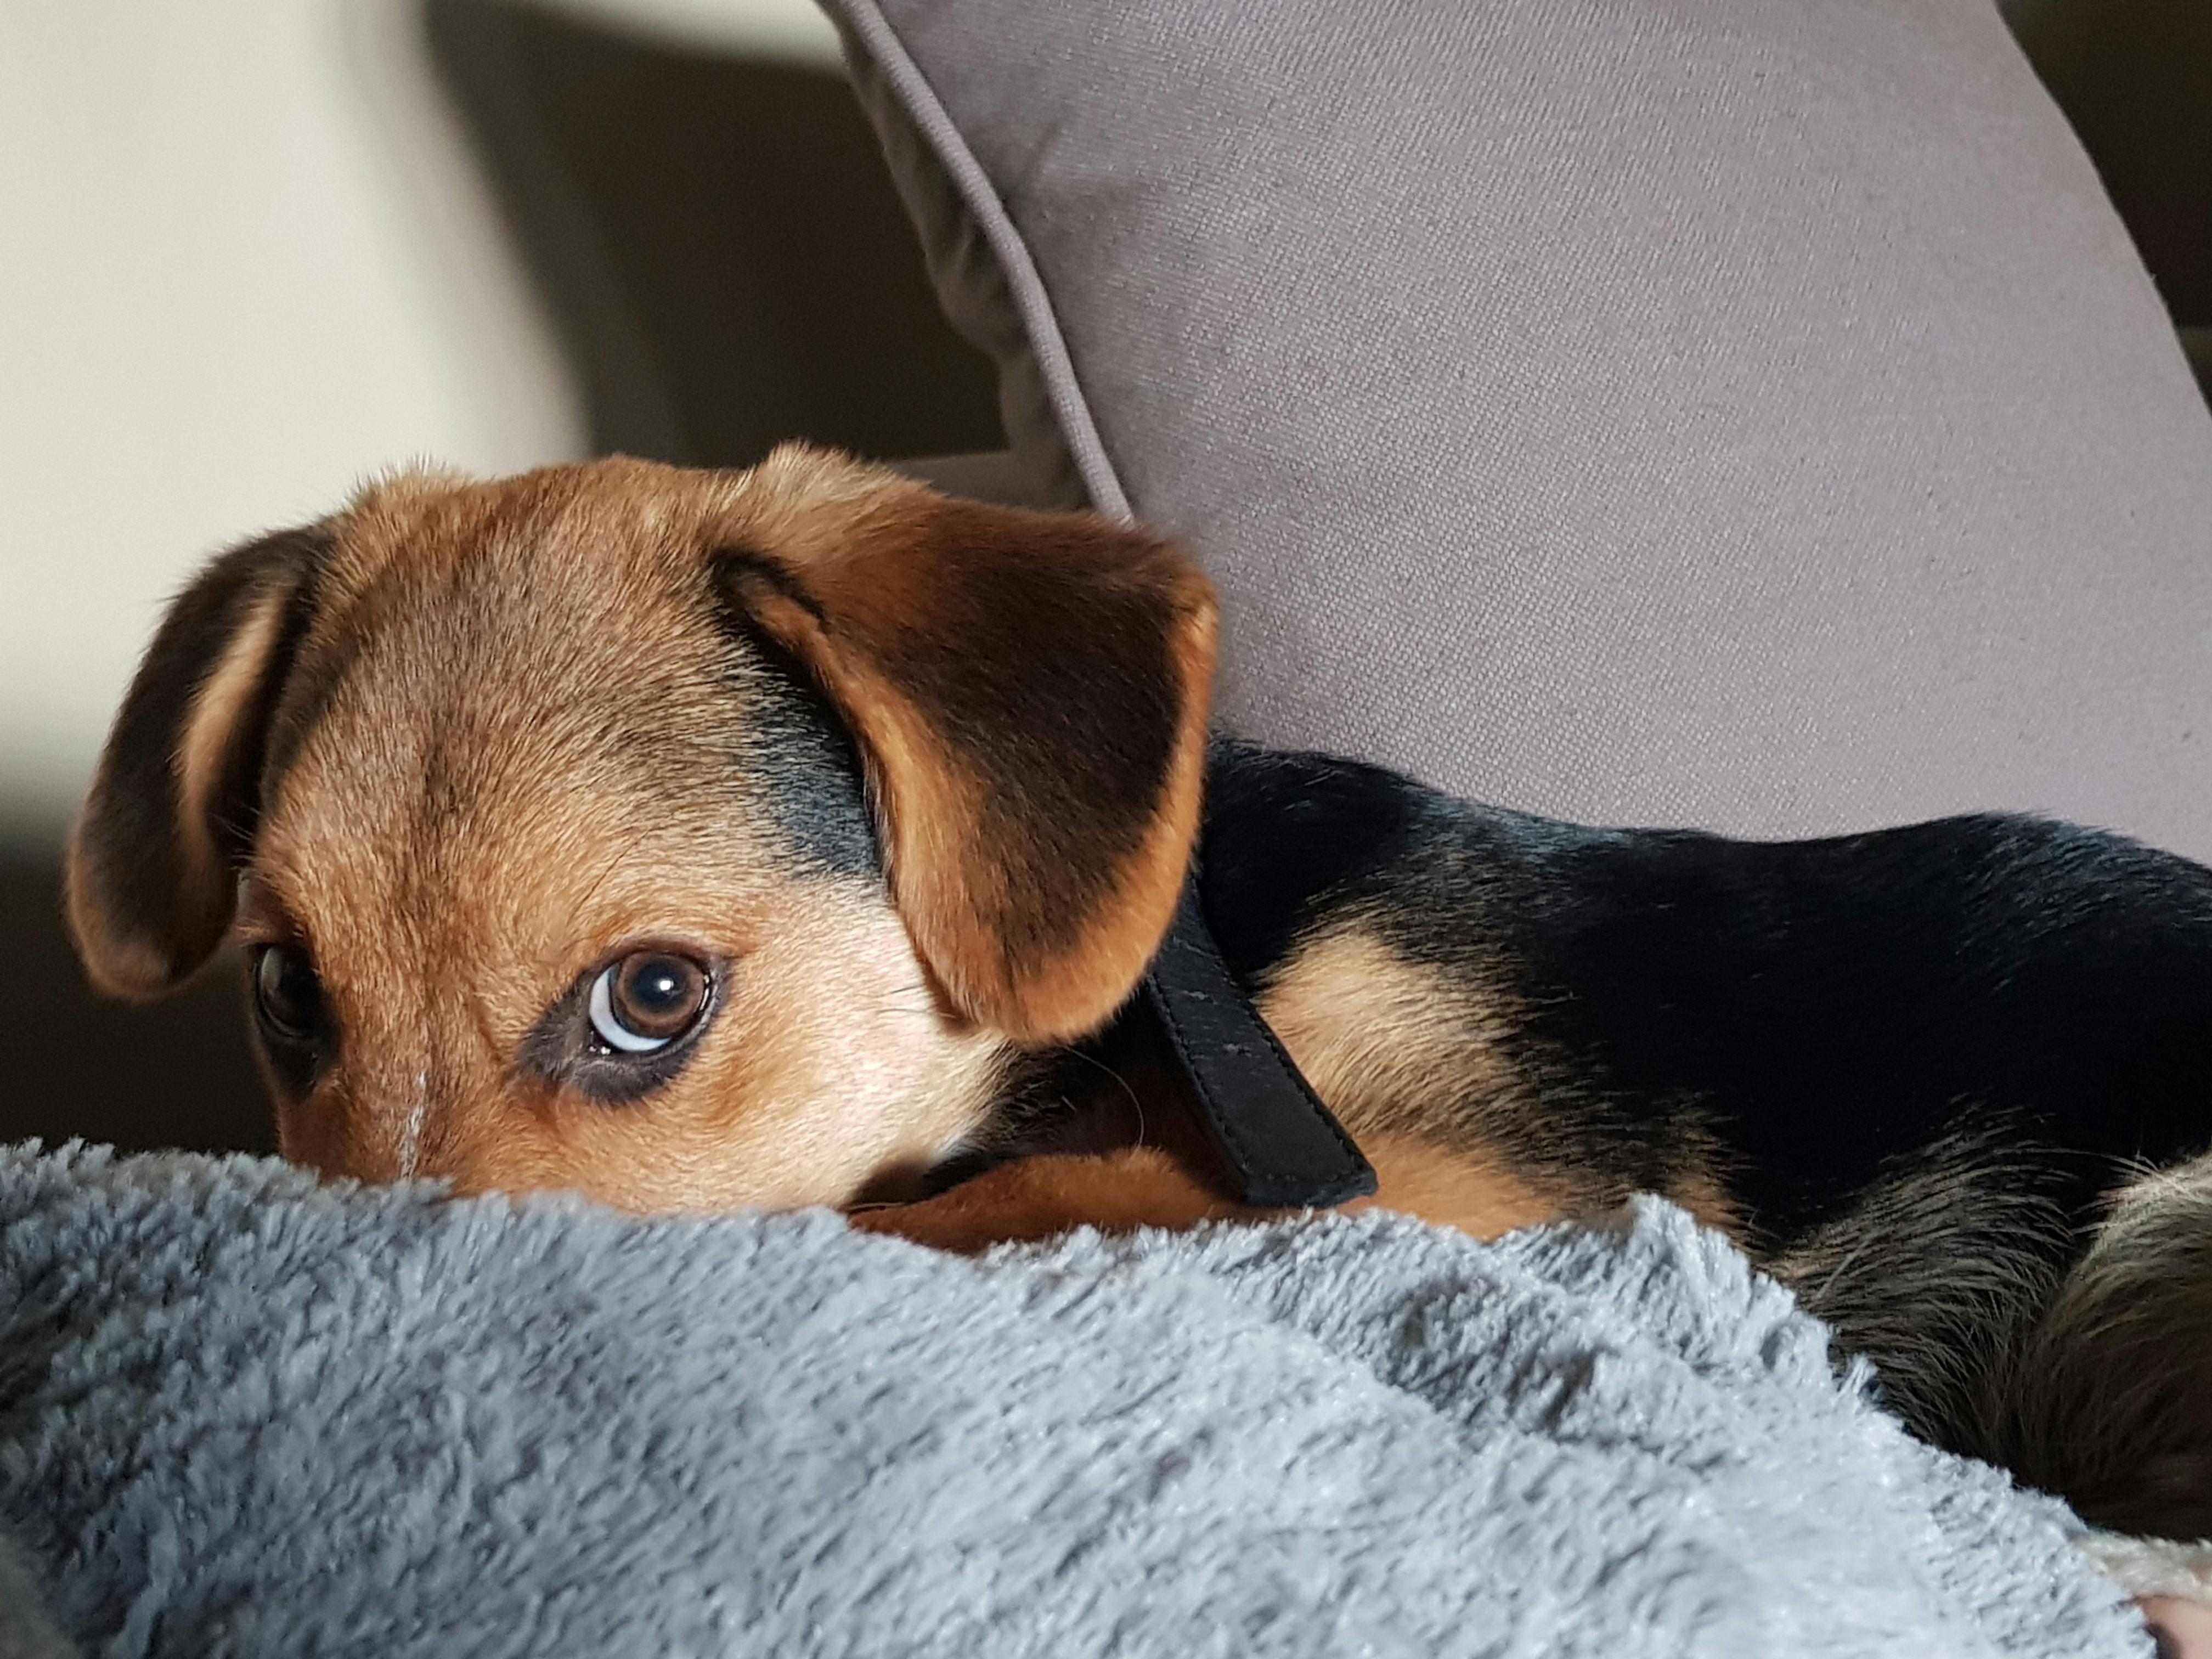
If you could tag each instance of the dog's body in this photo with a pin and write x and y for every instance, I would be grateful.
(799, 836)
(1911, 1072)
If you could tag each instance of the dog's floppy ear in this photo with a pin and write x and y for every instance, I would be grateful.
(152, 867)
(1029, 691)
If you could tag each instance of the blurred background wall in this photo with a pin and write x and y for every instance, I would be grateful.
(248, 261)
(255, 252)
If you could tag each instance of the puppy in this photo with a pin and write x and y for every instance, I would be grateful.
(798, 836)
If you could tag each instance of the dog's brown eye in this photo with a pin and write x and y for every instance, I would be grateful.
(286, 992)
(647, 1000)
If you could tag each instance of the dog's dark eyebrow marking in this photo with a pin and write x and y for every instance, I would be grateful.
(805, 759)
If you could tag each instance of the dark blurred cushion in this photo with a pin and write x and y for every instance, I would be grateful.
(1738, 413)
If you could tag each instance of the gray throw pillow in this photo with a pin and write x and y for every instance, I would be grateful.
(1743, 413)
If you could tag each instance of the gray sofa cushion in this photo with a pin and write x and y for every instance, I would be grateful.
(1741, 413)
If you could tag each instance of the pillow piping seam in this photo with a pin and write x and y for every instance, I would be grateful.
(1039, 321)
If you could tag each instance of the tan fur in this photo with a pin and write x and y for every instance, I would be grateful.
(465, 830)
(234, 679)
(872, 574)
(1152, 1186)
(118, 963)
(1040, 1197)
(2109, 1402)
(1706, 1196)
(1405, 1057)
(828, 1067)
(1077, 990)
(1411, 1060)
(1389, 1045)
(511, 745)
(514, 744)
(144, 914)
(1478, 1192)
(464, 746)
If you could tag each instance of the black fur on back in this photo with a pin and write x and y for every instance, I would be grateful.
(1828, 1011)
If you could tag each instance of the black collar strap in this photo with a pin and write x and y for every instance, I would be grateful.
(1285, 1151)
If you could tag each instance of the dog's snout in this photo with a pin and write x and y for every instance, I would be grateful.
(377, 1121)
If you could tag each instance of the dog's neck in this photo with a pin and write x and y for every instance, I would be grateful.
(1274, 846)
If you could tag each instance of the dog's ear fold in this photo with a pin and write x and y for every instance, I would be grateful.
(1029, 691)
(152, 866)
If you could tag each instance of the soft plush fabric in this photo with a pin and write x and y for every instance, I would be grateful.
(239, 1414)
(1744, 413)
(26, 1629)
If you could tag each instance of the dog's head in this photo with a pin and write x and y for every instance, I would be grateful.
(694, 839)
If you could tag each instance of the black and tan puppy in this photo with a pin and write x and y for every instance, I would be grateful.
(797, 837)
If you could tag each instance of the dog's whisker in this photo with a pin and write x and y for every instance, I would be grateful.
(1136, 1105)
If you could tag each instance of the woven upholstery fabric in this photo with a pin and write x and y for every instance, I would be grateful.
(1738, 413)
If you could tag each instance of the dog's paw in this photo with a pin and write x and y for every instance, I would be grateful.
(2172, 1582)
(2183, 1630)
(1039, 1198)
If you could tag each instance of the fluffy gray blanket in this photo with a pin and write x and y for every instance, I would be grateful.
(241, 1414)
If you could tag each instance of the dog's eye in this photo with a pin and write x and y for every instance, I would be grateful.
(647, 1000)
(621, 1030)
(287, 995)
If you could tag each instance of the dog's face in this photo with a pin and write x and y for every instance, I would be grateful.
(692, 839)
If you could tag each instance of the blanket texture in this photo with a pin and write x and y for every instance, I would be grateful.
(243, 1415)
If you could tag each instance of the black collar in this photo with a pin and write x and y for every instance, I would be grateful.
(1283, 1149)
